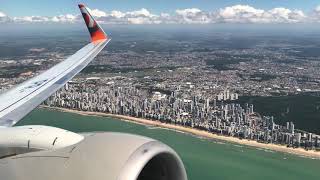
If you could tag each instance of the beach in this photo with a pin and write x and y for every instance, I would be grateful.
(252, 143)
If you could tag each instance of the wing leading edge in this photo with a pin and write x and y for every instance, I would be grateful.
(22, 99)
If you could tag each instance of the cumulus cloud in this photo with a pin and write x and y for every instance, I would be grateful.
(231, 14)
(68, 18)
(316, 14)
(142, 16)
(193, 15)
(286, 15)
(64, 18)
(117, 14)
(3, 17)
(2, 14)
(248, 14)
(30, 19)
(98, 13)
(240, 13)
(142, 12)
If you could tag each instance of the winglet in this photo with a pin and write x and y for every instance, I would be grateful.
(96, 32)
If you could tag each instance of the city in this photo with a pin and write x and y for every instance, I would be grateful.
(214, 113)
(191, 83)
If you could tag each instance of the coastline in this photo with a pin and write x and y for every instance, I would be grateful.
(197, 132)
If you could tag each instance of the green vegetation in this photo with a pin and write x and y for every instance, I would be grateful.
(92, 69)
(15, 71)
(223, 61)
(262, 77)
(303, 110)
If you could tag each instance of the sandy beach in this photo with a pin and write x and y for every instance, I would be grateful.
(274, 147)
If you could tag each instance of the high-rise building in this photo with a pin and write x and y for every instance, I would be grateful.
(291, 128)
(309, 137)
(288, 126)
(208, 104)
(227, 94)
(251, 109)
(214, 103)
(297, 137)
(66, 86)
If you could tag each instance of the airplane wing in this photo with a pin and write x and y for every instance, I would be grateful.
(22, 99)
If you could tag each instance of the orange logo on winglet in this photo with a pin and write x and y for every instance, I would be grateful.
(95, 30)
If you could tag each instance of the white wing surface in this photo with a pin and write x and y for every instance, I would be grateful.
(22, 99)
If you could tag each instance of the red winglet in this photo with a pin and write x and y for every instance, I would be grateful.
(96, 32)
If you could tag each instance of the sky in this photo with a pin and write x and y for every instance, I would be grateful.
(163, 11)
(51, 8)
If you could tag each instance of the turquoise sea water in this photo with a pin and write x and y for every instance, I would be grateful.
(203, 158)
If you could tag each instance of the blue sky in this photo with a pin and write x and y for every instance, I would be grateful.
(51, 8)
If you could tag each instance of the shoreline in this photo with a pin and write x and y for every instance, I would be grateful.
(197, 132)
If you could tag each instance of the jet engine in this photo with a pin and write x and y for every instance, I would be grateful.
(98, 156)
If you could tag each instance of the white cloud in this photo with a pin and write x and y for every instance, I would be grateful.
(142, 16)
(231, 14)
(117, 14)
(240, 13)
(316, 14)
(98, 13)
(2, 14)
(188, 12)
(139, 20)
(3, 17)
(141, 12)
(248, 14)
(30, 19)
(193, 15)
(283, 15)
(64, 18)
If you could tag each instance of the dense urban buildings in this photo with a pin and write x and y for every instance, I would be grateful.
(216, 113)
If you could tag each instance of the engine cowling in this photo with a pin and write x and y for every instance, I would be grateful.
(24, 139)
(110, 156)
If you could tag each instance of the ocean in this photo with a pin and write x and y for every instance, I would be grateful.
(203, 158)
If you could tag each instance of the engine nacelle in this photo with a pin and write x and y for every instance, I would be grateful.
(23, 139)
(101, 156)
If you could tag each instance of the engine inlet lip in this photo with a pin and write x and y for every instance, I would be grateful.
(141, 156)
